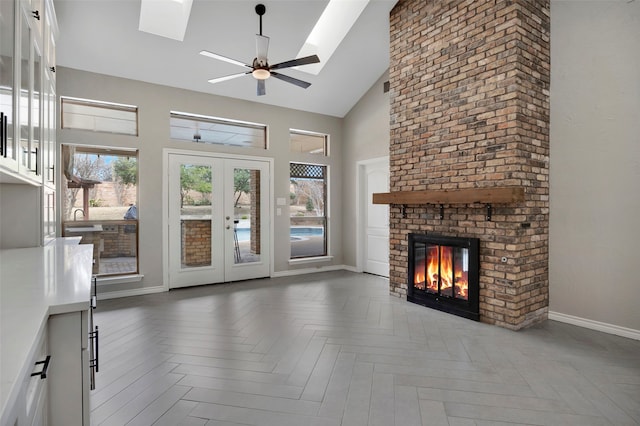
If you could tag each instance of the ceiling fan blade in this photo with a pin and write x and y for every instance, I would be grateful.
(228, 77)
(291, 80)
(262, 48)
(313, 59)
(223, 58)
(261, 88)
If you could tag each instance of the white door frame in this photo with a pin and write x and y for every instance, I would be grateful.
(361, 207)
(166, 152)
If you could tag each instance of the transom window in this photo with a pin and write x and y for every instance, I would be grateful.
(217, 131)
(301, 141)
(98, 116)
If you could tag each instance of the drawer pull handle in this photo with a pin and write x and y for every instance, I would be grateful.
(45, 367)
(95, 361)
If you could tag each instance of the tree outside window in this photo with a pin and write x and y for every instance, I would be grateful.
(308, 195)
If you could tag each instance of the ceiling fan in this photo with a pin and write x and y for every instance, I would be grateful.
(260, 68)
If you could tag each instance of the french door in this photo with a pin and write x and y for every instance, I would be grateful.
(218, 216)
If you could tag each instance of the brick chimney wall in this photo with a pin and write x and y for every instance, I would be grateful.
(469, 87)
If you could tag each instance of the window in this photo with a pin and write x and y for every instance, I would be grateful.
(308, 215)
(99, 204)
(217, 131)
(304, 142)
(97, 116)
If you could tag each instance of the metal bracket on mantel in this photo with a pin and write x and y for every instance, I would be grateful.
(489, 211)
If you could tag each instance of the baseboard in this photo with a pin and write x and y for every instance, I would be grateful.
(126, 293)
(313, 270)
(596, 325)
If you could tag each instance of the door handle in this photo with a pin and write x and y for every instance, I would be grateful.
(228, 218)
(2, 134)
(228, 227)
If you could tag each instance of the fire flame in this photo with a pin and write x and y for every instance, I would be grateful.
(450, 276)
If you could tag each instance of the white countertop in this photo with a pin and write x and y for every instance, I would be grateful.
(82, 229)
(35, 283)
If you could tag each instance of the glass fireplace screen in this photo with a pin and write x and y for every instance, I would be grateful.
(442, 270)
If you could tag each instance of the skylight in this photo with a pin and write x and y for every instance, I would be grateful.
(332, 27)
(166, 18)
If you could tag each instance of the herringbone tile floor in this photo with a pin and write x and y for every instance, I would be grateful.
(336, 349)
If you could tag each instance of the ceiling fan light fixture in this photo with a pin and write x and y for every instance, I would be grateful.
(261, 74)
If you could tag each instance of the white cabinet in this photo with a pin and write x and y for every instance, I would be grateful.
(45, 314)
(28, 31)
(69, 373)
(55, 390)
(36, 384)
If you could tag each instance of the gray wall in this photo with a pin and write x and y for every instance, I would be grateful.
(366, 132)
(154, 104)
(595, 161)
(20, 216)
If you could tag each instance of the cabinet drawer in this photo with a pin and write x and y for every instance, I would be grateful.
(85, 328)
(36, 384)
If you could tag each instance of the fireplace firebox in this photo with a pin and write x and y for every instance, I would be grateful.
(443, 273)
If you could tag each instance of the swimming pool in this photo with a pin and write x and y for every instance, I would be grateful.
(297, 233)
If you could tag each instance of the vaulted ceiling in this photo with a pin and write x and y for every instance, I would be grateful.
(102, 36)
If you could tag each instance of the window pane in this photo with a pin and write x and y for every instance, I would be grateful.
(99, 204)
(248, 244)
(217, 131)
(307, 210)
(195, 215)
(99, 116)
(307, 142)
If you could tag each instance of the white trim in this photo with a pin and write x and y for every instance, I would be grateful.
(120, 279)
(166, 153)
(361, 206)
(165, 219)
(132, 292)
(302, 260)
(596, 325)
(292, 272)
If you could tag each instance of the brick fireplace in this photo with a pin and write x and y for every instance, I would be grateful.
(469, 88)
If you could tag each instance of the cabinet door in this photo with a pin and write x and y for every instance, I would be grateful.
(36, 130)
(68, 387)
(36, 386)
(49, 129)
(7, 64)
(48, 214)
(29, 101)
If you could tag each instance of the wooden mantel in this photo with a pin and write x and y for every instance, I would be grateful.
(452, 196)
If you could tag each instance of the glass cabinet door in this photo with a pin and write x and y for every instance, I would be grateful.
(29, 99)
(7, 46)
(24, 98)
(36, 119)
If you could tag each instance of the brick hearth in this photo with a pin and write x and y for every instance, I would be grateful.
(469, 86)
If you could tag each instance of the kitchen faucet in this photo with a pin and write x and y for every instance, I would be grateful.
(75, 214)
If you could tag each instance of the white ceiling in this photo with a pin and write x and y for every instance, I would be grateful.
(102, 36)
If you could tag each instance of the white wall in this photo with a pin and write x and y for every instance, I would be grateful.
(366, 135)
(594, 269)
(154, 104)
